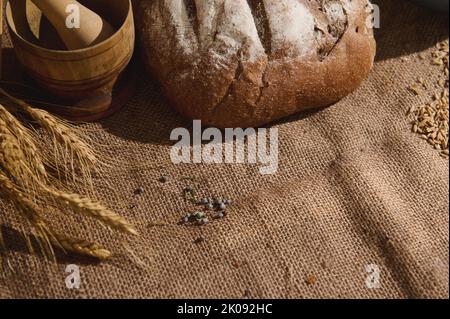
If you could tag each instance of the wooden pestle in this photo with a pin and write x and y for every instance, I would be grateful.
(93, 29)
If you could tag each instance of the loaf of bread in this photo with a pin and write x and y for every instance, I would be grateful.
(244, 63)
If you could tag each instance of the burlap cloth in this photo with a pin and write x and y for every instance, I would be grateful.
(355, 187)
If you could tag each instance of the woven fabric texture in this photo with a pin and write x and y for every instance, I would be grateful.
(355, 187)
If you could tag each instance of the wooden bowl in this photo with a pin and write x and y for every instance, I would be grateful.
(84, 78)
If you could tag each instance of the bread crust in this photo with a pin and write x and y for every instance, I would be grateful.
(244, 63)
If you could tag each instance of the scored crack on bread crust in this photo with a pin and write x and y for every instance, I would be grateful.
(242, 63)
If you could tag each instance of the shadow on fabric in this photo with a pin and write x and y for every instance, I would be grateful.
(14, 241)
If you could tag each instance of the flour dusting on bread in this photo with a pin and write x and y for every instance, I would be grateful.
(237, 32)
(292, 26)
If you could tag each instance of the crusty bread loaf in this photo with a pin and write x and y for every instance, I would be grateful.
(242, 63)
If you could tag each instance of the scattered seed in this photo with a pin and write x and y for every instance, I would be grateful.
(163, 179)
(311, 280)
(437, 62)
(185, 219)
(415, 89)
(214, 208)
(139, 191)
(431, 119)
(220, 215)
(199, 215)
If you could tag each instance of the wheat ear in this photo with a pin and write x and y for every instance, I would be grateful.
(12, 157)
(94, 209)
(82, 247)
(45, 233)
(59, 129)
(29, 209)
(25, 141)
(64, 135)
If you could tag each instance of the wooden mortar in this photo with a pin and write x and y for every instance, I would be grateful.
(83, 78)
